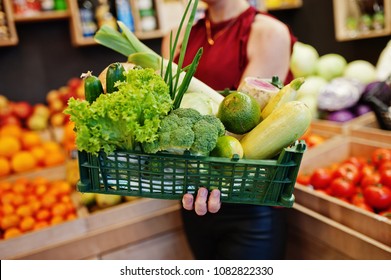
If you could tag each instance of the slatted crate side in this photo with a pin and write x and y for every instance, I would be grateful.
(337, 150)
(313, 236)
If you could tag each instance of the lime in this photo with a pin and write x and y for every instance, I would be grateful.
(239, 112)
(227, 146)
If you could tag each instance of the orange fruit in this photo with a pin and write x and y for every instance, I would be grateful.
(5, 166)
(40, 225)
(51, 146)
(23, 161)
(8, 209)
(19, 187)
(39, 180)
(59, 209)
(71, 216)
(239, 112)
(55, 220)
(39, 153)
(48, 200)
(40, 190)
(54, 158)
(11, 130)
(62, 187)
(30, 139)
(18, 199)
(27, 224)
(43, 215)
(9, 145)
(24, 211)
(12, 232)
(9, 221)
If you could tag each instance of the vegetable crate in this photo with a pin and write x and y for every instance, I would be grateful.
(168, 176)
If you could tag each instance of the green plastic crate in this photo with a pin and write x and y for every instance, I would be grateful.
(167, 176)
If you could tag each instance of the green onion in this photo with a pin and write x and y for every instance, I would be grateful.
(126, 43)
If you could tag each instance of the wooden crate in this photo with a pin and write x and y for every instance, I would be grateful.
(341, 128)
(337, 150)
(312, 236)
(370, 129)
(113, 233)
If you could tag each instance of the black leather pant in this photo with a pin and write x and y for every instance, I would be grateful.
(237, 232)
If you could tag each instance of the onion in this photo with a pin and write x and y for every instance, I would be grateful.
(361, 109)
(340, 116)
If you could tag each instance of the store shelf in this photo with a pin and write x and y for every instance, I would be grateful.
(274, 5)
(43, 16)
(348, 9)
(167, 13)
(10, 23)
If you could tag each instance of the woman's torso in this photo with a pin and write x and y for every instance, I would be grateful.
(222, 64)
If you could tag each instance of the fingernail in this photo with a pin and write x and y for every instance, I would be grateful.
(215, 193)
(203, 192)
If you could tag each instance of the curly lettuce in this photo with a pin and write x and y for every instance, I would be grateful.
(121, 119)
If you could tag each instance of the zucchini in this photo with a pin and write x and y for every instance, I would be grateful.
(286, 94)
(92, 86)
(281, 128)
(115, 73)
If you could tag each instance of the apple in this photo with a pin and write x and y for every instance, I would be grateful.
(52, 95)
(22, 109)
(74, 83)
(56, 105)
(57, 119)
(10, 119)
(37, 122)
(42, 110)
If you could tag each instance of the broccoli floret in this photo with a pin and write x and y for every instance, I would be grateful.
(186, 129)
(188, 113)
(205, 139)
(216, 122)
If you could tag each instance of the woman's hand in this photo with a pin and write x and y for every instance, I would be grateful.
(204, 201)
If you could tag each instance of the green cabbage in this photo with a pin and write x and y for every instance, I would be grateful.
(303, 60)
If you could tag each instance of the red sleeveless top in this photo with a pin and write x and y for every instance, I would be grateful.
(221, 66)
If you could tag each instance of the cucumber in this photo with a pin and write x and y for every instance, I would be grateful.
(115, 72)
(92, 86)
(281, 128)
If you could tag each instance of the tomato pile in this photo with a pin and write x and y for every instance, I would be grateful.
(363, 182)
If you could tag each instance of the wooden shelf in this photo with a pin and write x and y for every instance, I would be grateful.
(12, 39)
(282, 5)
(168, 14)
(43, 16)
(345, 8)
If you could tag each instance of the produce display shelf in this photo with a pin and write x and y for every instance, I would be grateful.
(369, 224)
(168, 176)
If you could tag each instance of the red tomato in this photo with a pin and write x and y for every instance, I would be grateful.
(348, 171)
(368, 169)
(378, 196)
(365, 206)
(341, 187)
(385, 176)
(314, 140)
(321, 178)
(385, 165)
(359, 162)
(380, 155)
(370, 179)
(357, 198)
(303, 179)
